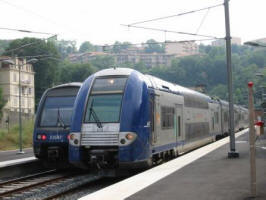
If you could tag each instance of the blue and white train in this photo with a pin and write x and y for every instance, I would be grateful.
(122, 118)
(52, 124)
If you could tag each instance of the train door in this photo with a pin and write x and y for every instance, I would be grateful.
(215, 122)
(155, 118)
(178, 128)
(212, 121)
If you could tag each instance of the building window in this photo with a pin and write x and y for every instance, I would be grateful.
(29, 91)
(15, 103)
(23, 90)
(22, 102)
(14, 77)
(167, 117)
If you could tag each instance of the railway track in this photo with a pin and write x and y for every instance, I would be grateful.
(46, 185)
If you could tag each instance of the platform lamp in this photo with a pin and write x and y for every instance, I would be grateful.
(11, 62)
(254, 44)
(263, 105)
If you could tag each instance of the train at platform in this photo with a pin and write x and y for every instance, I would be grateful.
(125, 119)
(52, 124)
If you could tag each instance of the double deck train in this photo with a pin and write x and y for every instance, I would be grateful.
(53, 119)
(122, 118)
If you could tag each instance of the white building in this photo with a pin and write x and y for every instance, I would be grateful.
(9, 82)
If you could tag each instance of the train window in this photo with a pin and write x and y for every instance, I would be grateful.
(195, 101)
(113, 85)
(167, 117)
(226, 117)
(57, 110)
(106, 107)
(216, 115)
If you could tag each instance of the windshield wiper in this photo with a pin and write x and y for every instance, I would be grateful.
(94, 115)
(59, 119)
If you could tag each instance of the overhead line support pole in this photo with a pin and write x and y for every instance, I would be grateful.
(232, 153)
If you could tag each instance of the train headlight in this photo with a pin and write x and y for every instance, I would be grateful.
(41, 137)
(126, 138)
(74, 139)
(130, 136)
(72, 136)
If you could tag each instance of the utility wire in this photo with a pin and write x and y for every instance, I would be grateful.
(26, 45)
(176, 15)
(28, 11)
(25, 31)
(64, 26)
(202, 21)
(165, 42)
(169, 31)
(38, 56)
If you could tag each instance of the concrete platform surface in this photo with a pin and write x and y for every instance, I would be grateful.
(12, 155)
(213, 176)
(204, 174)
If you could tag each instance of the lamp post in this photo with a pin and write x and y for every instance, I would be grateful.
(232, 153)
(11, 62)
(31, 61)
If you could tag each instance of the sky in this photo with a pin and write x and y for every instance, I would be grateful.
(100, 21)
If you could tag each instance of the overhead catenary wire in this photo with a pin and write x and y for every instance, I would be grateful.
(169, 31)
(176, 15)
(25, 31)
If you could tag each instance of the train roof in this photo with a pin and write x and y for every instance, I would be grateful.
(153, 82)
(157, 83)
(71, 84)
(114, 72)
(160, 84)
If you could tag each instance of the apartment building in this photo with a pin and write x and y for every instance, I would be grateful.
(9, 82)
(85, 57)
(221, 42)
(149, 59)
(181, 48)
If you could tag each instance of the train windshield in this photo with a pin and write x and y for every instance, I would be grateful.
(105, 100)
(57, 111)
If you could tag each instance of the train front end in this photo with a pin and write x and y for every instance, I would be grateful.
(110, 126)
(52, 124)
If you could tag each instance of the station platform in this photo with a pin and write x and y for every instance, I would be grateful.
(203, 174)
(13, 154)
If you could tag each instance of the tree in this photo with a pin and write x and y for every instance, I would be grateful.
(75, 72)
(153, 46)
(66, 47)
(119, 46)
(3, 45)
(86, 47)
(2, 103)
(220, 91)
(102, 62)
(46, 68)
